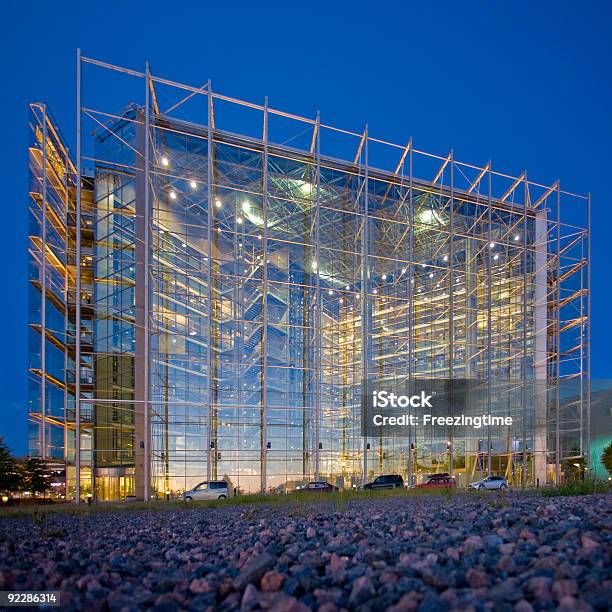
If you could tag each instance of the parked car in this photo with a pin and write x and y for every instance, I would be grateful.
(387, 481)
(438, 481)
(319, 486)
(489, 483)
(214, 489)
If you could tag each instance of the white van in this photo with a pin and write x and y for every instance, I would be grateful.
(215, 489)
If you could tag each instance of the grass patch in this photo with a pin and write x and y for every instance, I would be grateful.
(295, 502)
(588, 486)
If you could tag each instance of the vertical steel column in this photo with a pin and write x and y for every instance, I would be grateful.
(43, 303)
(410, 304)
(66, 309)
(318, 302)
(365, 300)
(77, 324)
(211, 313)
(558, 347)
(146, 305)
(451, 297)
(524, 338)
(264, 394)
(489, 314)
(588, 371)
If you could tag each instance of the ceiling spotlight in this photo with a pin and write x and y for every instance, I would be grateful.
(431, 275)
(445, 258)
(384, 277)
(164, 161)
(491, 245)
(173, 195)
(218, 203)
(193, 184)
(517, 238)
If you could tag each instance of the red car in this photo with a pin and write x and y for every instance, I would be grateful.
(438, 481)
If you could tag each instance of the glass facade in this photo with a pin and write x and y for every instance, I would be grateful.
(237, 293)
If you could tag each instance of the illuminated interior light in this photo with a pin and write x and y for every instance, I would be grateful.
(184, 245)
(341, 301)
(239, 220)
(246, 206)
(445, 258)
(375, 291)
(403, 270)
(492, 245)
(313, 265)
(330, 292)
(412, 281)
(423, 265)
(517, 238)
(173, 195)
(431, 275)
(192, 333)
(218, 203)
(384, 277)
(164, 161)
(496, 256)
(347, 287)
(193, 185)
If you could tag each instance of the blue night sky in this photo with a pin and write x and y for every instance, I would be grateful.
(525, 84)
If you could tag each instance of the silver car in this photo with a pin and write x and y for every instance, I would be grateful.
(489, 483)
(214, 489)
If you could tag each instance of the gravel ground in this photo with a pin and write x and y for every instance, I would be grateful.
(462, 553)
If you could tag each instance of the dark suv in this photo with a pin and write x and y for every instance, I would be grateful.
(388, 481)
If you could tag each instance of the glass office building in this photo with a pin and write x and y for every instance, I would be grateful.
(243, 271)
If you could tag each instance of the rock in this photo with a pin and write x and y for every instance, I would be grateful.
(310, 533)
(362, 590)
(253, 570)
(588, 542)
(476, 578)
(337, 563)
(564, 588)
(289, 604)
(250, 598)
(408, 603)
(523, 606)
(200, 585)
(539, 588)
(272, 581)
(473, 542)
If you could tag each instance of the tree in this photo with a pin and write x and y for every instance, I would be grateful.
(606, 458)
(9, 472)
(34, 476)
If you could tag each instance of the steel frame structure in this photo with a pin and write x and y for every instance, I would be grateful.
(358, 221)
